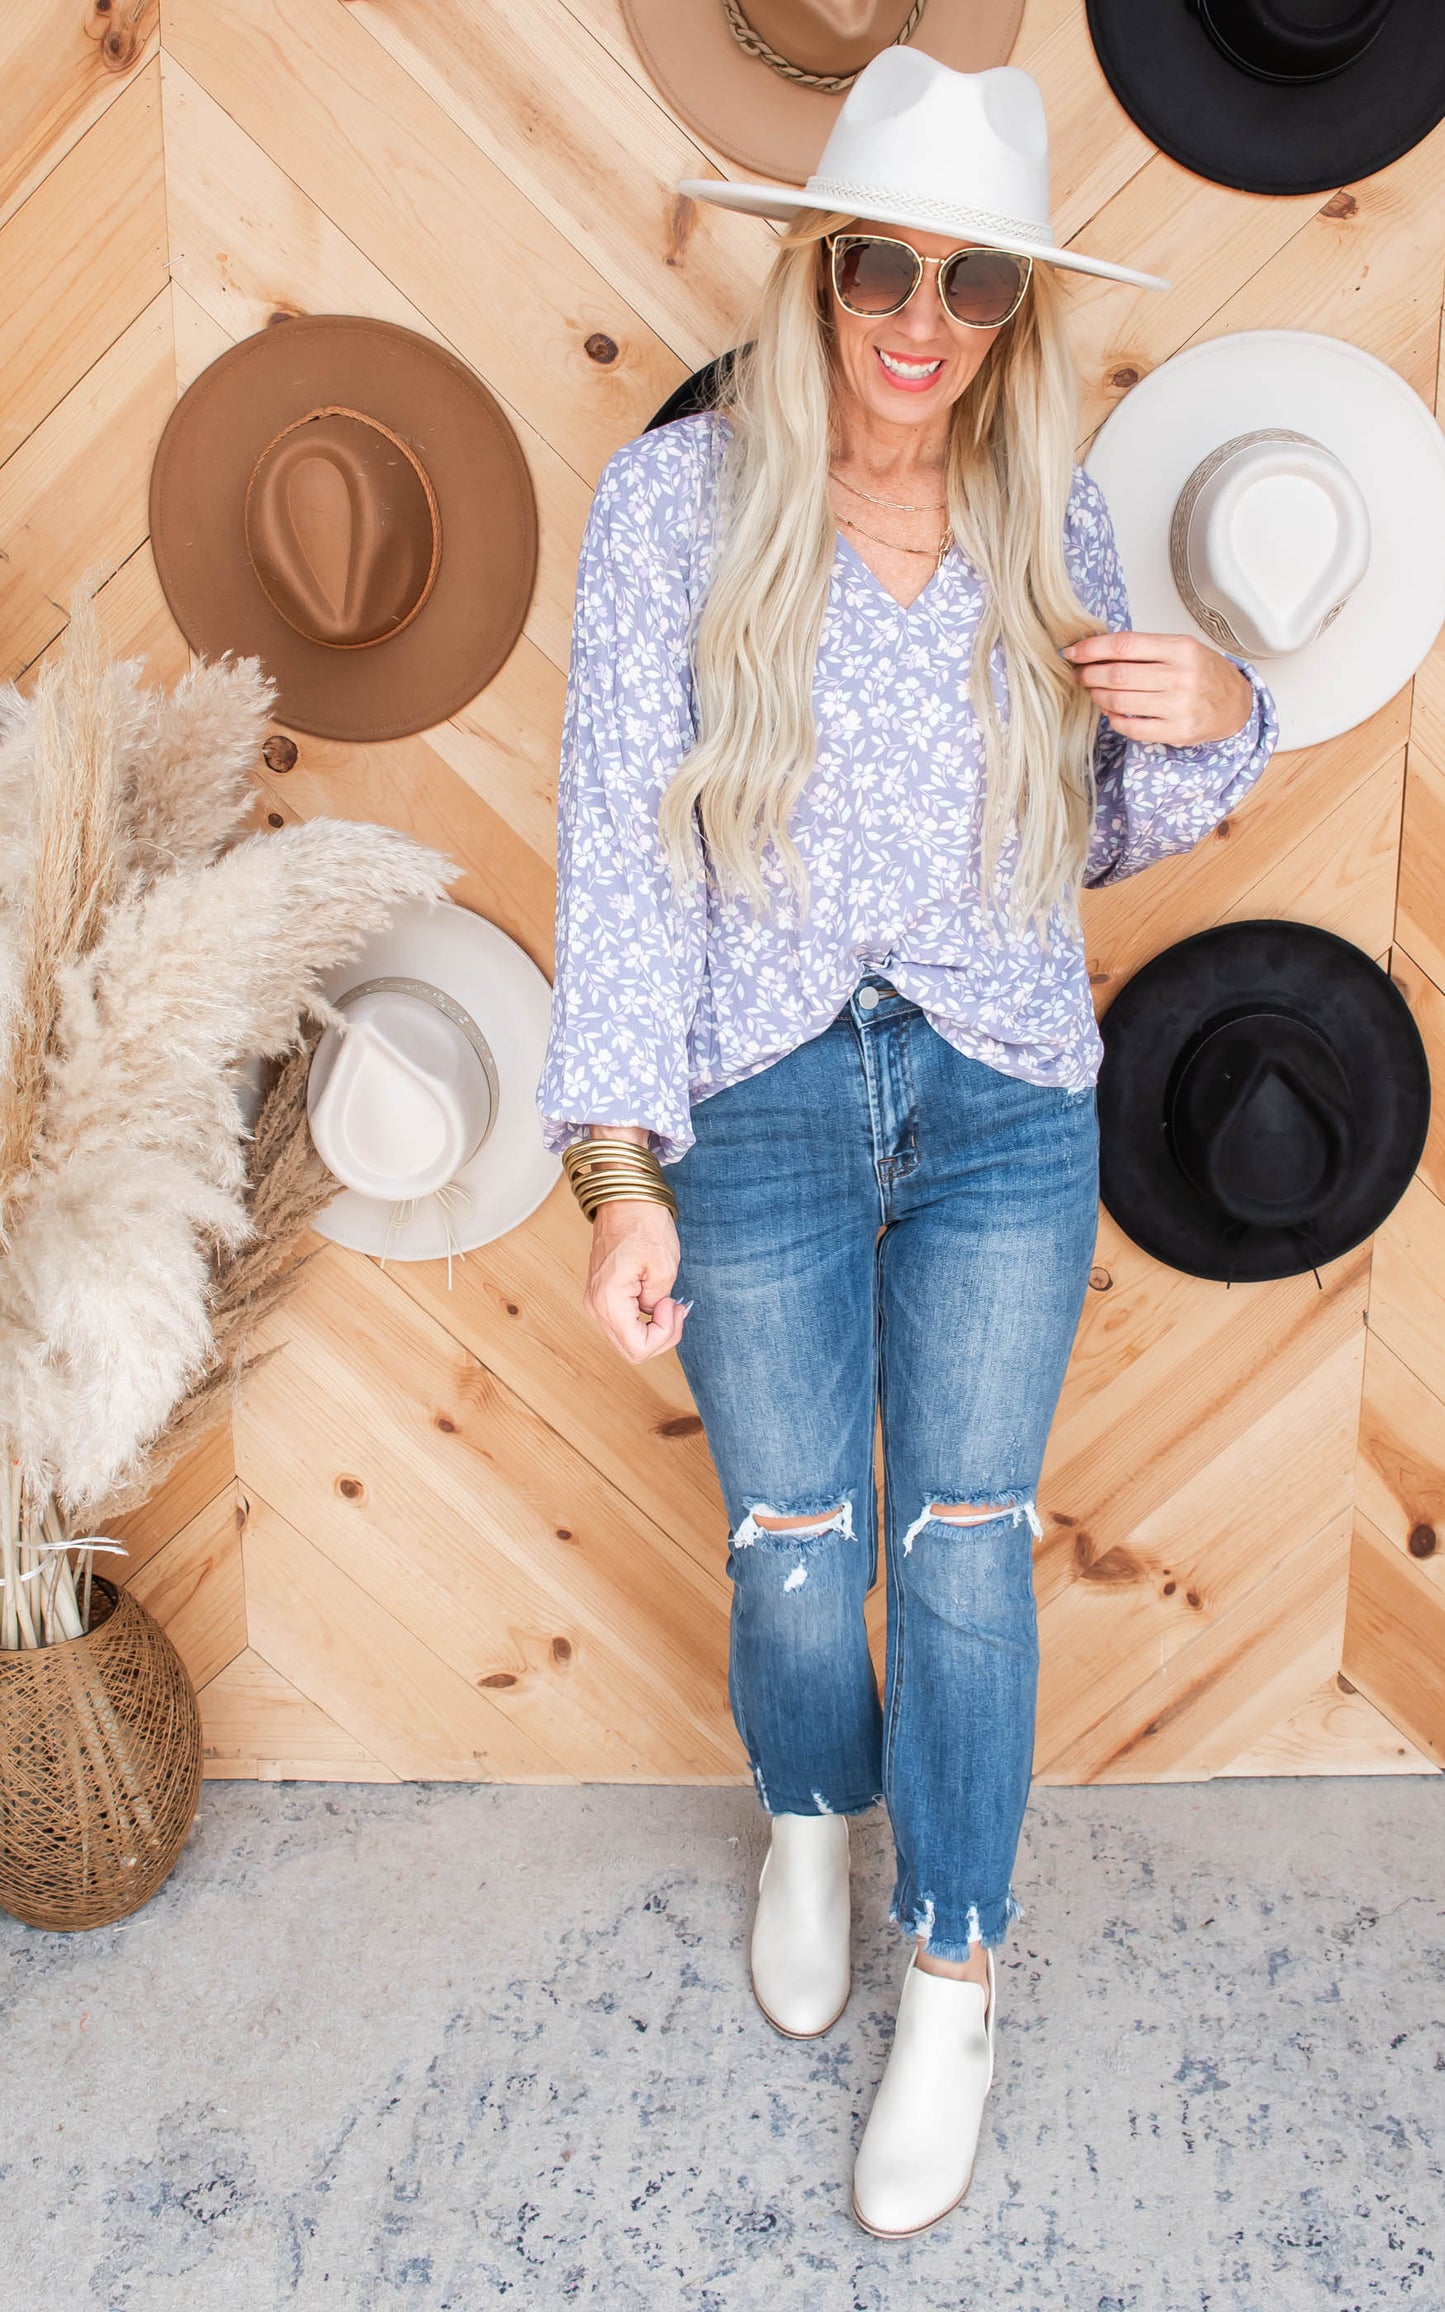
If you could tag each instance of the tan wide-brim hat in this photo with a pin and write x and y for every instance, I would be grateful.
(345, 500)
(753, 112)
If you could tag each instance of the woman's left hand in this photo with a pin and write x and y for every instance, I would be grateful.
(1170, 688)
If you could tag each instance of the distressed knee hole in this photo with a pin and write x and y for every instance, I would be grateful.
(1020, 1508)
(774, 1523)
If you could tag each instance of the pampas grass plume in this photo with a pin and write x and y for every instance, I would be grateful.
(144, 954)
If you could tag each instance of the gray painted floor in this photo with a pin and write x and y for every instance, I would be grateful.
(455, 2047)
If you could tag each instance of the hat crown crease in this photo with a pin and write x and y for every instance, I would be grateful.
(402, 1097)
(1274, 1118)
(1270, 537)
(342, 528)
(390, 1107)
(827, 36)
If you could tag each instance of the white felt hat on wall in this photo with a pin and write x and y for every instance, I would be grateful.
(1282, 494)
(423, 1105)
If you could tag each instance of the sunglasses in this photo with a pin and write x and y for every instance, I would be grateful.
(874, 275)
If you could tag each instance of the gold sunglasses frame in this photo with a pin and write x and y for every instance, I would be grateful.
(965, 249)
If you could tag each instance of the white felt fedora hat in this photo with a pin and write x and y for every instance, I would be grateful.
(920, 145)
(422, 1104)
(1282, 494)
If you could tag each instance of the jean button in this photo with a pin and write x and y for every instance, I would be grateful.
(867, 998)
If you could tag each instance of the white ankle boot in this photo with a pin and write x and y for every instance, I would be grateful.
(915, 2161)
(801, 1956)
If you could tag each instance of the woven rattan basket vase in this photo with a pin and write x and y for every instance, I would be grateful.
(100, 1768)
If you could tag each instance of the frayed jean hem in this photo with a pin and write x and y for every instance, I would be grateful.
(986, 1923)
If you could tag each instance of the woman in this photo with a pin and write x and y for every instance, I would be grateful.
(853, 712)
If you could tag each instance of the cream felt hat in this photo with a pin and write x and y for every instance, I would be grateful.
(422, 1104)
(920, 145)
(1283, 495)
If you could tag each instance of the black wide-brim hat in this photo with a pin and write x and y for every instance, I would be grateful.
(1272, 96)
(1263, 1101)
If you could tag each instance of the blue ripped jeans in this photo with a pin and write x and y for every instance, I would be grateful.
(877, 1223)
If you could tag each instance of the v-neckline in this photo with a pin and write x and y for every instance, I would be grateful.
(906, 609)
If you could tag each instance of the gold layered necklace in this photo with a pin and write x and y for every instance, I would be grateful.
(898, 506)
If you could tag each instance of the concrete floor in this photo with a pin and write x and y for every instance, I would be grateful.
(449, 2047)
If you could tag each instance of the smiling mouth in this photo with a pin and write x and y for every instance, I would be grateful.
(909, 372)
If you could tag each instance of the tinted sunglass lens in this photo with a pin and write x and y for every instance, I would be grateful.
(875, 276)
(982, 286)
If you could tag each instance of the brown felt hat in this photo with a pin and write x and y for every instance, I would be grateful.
(763, 80)
(346, 501)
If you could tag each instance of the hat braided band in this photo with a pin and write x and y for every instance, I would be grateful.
(827, 83)
(951, 216)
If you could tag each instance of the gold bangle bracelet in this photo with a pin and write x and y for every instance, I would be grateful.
(594, 1204)
(580, 1174)
(603, 1171)
(626, 1196)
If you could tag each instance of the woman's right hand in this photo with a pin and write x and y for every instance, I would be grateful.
(635, 1258)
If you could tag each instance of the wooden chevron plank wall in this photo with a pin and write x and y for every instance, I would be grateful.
(450, 1534)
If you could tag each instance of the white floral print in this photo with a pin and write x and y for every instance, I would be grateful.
(660, 999)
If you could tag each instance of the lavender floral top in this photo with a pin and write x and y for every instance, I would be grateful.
(660, 1002)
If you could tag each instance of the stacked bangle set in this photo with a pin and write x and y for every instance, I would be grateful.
(605, 1171)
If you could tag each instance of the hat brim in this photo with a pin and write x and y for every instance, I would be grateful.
(498, 985)
(473, 615)
(1258, 135)
(759, 118)
(1146, 450)
(1262, 964)
(783, 201)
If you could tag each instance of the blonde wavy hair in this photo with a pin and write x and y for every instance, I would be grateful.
(1008, 475)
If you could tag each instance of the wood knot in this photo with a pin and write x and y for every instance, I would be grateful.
(351, 1488)
(681, 218)
(1169, 1588)
(120, 47)
(679, 1425)
(1100, 1280)
(1125, 376)
(498, 1678)
(563, 1532)
(601, 348)
(446, 1424)
(1341, 205)
(279, 313)
(561, 1649)
(118, 31)
(279, 753)
(1344, 1684)
(1113, 1565)
(274, 819)
(512, 1309)
(1193, 1598)
(1224, 830)
(1061, 1517)
(1422, 1541)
